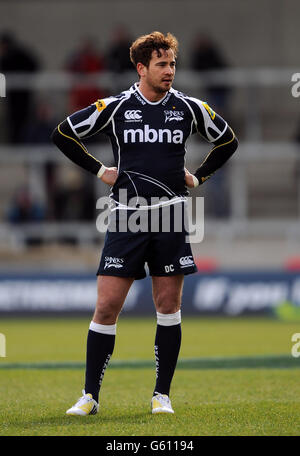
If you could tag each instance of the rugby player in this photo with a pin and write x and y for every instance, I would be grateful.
(148, 126)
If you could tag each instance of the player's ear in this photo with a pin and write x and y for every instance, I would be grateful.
(141, 69)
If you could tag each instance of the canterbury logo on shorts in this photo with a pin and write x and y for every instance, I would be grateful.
(186, 261)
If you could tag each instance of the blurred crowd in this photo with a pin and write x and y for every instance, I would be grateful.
(28, 119)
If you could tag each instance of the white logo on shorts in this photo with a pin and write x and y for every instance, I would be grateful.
(113, 262)
(186, 261)
(169, 268)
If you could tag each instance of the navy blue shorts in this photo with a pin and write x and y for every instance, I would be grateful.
(161, 244)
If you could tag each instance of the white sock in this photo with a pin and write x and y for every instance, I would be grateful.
(103, 329)
(169, 319)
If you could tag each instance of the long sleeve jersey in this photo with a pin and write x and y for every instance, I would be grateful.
(148, 140)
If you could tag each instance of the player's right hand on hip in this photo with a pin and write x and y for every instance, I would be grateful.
(190, 180)
(109, 175)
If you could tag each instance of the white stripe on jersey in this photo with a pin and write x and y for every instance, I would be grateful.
(89, 122)
(124, 207)
(206, 118)
(207, 121)
(92, 119)
(133, 184)
(154, 181)
(128, 95)
(70, 123)
(117, 141)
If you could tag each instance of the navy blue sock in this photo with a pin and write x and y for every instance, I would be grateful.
(167, 346)
(99, 350)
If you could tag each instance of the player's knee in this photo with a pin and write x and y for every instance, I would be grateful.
(107, 311)
(167, 302)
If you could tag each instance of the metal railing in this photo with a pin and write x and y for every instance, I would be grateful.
(252, 150)
(237, 223)
(253, 81)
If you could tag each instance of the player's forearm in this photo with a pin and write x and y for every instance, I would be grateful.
(64, 138)
(218, 156)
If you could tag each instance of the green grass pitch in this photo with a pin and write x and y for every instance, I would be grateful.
(247, 392)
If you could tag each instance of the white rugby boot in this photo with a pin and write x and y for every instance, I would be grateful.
(161, 404)
(85, 405)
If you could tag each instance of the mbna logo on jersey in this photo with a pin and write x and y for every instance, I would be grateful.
(173, 115)
(163, 135)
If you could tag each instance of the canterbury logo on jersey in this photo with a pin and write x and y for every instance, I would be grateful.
(133, 115)
(151, 135)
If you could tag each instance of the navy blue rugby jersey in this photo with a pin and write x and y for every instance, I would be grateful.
(149, 138)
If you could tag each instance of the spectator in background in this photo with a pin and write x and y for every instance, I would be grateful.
(118, 54)
(74, 198)
(206, 56)
(40, 126)
(296, 139)
(62, 196)
(38, 131)
(15, 58)
(24, 208)
(86, 60)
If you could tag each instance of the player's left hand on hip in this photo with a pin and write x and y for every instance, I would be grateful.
(190, 180)
(108, 175)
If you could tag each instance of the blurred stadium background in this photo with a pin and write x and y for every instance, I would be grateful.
(59, 56)
(240, 57)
